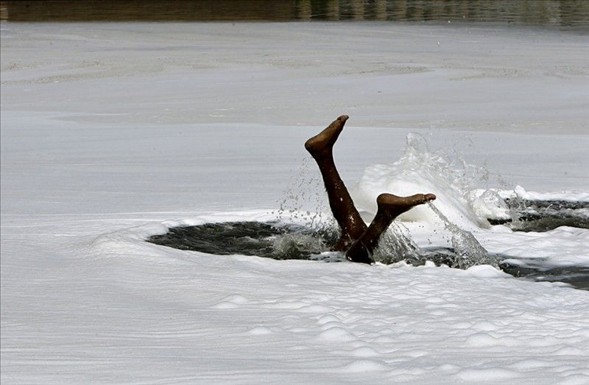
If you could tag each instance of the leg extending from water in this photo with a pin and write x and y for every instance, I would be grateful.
(358, 239)
(389, 207)
(321, 149)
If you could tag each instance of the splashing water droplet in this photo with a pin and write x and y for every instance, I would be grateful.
(304, 202)
(469, 251)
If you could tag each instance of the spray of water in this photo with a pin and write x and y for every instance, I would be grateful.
(297, 245)
(469, 252)
(395, 246)
(304, 201)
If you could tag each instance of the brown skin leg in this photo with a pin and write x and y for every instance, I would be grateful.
(389, 207)
(321, 149)
(358, 239)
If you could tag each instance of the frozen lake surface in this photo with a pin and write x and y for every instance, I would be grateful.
(113, 133)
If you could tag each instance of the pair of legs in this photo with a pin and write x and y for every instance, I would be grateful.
(357, 239)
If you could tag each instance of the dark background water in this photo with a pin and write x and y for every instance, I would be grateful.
(564, 14)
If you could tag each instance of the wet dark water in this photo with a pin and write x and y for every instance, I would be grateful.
(268, 240)
(564, 14)
(545, 215)
(287, 241)
(576, 276)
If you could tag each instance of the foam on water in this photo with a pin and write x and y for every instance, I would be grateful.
(85, 300)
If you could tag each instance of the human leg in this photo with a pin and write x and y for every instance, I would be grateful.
(342, 206)
(389, 207)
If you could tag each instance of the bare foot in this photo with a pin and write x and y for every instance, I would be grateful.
(325, 140)
(395, 205)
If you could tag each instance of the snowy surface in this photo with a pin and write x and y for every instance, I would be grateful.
(115, 132)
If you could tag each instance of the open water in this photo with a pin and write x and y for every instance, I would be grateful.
(287, 241)
(562, 14)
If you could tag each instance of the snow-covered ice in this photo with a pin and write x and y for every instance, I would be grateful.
(115, 132)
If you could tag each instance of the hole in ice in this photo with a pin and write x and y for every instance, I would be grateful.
(268, 240)
(289, 241)
(285, 241)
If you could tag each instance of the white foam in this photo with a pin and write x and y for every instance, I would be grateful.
(114, 132)
(420, 170)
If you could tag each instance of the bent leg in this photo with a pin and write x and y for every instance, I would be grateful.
(321, 149)
(389, 207)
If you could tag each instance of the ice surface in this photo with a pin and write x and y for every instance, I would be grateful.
(115, 132)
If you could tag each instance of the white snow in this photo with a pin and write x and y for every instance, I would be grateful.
(114, 132)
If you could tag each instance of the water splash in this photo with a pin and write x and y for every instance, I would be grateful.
(469, 252)
(461, 188)
(395, 246)
(298, 245)
(304, 201)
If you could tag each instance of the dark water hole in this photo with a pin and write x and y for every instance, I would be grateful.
(288, 241)
(545, 215)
